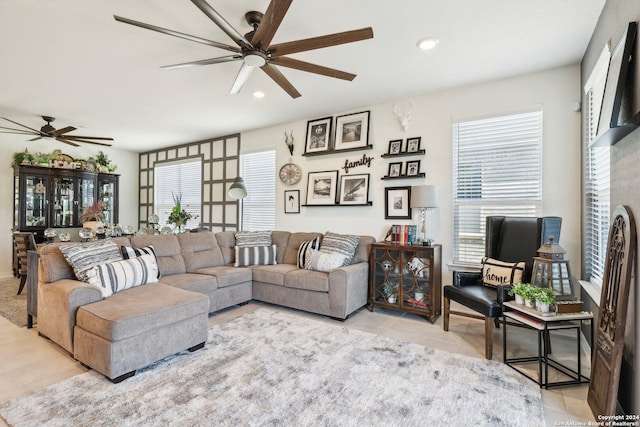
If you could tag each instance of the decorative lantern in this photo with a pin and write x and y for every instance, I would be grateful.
(551, 270)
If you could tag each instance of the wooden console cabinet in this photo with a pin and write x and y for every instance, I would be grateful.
(410, 273)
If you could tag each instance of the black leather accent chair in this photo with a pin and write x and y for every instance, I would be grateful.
(510, 239)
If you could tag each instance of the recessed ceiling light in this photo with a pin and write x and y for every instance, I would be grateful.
(258, 94)
(427, 43)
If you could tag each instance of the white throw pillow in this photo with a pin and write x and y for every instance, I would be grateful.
(323, 261)
(116, 276)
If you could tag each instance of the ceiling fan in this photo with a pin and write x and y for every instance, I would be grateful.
(255, 49)
(48, 131)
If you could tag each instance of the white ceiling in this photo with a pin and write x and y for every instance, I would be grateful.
(70, 59)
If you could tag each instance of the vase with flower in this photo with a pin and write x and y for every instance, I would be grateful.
(93, 216)
(179, 216)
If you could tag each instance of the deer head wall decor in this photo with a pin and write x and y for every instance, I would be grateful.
(404, 118)
(288, 139)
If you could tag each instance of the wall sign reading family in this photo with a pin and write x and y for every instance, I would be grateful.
(363, 161)
(322, 188)
(352, 133)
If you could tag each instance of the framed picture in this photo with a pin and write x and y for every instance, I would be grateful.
(395, 169)
(412, 168)
(413, 144)
(292, 201)
(321, 188)
(352, 131)
(318, 135)
(397, 202)
(354, 189)
(395, 146)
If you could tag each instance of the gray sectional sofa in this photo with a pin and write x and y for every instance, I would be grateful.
(135, 327)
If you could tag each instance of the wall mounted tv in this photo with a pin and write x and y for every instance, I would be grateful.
(617, 119)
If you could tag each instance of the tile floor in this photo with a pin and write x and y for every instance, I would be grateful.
(30, 362)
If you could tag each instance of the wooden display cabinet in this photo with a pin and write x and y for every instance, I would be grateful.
(410, 273)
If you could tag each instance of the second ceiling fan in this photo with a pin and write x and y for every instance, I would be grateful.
(255, 50)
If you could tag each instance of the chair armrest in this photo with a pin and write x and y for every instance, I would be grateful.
(503, 293)
(467, 278)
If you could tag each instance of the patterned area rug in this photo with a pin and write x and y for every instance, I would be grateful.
(272, 368)
(13, 306)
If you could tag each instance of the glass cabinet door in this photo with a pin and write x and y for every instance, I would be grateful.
(63, 202)
(86, 198)
(108, 196)
(36, 201)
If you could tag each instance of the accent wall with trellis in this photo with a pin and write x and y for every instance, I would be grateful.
(220, 166)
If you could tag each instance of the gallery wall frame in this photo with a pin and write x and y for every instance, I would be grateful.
(352, 131)
(397, 203)
(318, 136)
(321, 188)
(354, 189)
(292, 201)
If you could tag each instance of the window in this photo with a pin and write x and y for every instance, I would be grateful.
(259, 207)
(178, 178)
(497, 170)
(596, 177)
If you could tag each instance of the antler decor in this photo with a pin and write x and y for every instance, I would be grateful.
(406, 117)
(288, 139)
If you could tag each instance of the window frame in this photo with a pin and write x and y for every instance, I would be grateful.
(258, 170)
(161, 206)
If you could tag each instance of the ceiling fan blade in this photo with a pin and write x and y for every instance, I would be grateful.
(270, 22)
(19, 124)
(203, 62)
(102, 138)
(312, 68)
(222, 23)
(176, 34)
(281, 80)
(335, 39)
(74, 140)
(18, 131)
(241, 78)
(59, 132)
(35, 139)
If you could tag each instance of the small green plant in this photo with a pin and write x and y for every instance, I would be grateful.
(20, 157)
(103, 160)
(518, 289)
(547, 296)
(389, 288)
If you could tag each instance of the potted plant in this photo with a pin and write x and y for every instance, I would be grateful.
(104, 164)
(528, 293)
(389, 290)
(179, 216)
(518, 290)
(546, 298)
(93, 216)
(22, 157)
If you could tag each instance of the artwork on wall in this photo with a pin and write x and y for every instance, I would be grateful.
(395, 169)
(292, 201)
(413, 144)
(321, 188)
(318, 135)
(412, 168)
(354, 189)
(397, 202)
(395, 146)
(352, 131)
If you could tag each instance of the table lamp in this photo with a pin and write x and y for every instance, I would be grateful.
(424, 197)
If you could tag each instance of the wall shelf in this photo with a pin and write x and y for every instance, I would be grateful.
(420, 175)
(338, 204)
(404, 153)
(324, 153)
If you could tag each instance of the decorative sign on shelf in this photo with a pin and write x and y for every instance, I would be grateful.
(363, 161)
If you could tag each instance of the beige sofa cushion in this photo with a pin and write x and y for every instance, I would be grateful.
(200, 250)
(168, 252)
(291, 252)
(308, 280)
(272, 274)
(202, 283)
(226, 275)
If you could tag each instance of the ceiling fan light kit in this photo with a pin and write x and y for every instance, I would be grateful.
(254, 48)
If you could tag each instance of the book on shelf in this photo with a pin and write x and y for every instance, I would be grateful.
(403, 234)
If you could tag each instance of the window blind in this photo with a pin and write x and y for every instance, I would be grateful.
(259, 207)
(497, 168)
(596, 173)
(179, 178)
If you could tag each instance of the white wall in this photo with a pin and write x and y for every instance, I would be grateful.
(127, 168)
(555, 90)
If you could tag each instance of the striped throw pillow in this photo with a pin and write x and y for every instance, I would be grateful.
(302, 250)
(256, 255)
(343, 244)
(253, 238)
(117, 276)
(84, 256)
(128, 252)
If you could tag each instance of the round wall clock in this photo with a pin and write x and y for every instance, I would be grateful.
(290, 173)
